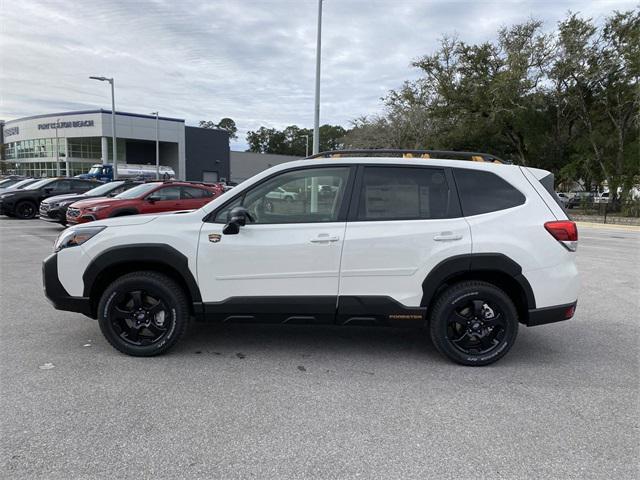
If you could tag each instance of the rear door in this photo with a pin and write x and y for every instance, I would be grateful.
(403, 221)
(194, 197)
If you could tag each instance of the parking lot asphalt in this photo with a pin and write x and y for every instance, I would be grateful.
(319, 402)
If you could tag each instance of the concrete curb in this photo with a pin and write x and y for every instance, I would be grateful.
(612, 226)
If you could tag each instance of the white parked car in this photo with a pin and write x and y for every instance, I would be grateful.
(280, 193)
(464, 250)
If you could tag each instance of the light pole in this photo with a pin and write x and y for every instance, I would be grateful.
(316, 116)
(306, 146)
(58, 151)
(157, 148)
(316, 113)
(113, 124)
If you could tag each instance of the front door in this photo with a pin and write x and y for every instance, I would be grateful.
(163, 199)
(283, 266)
(404, 221)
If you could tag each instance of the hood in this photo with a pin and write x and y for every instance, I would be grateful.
(60, 198)
(93, 202)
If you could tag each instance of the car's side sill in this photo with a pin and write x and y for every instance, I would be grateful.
(324, 310)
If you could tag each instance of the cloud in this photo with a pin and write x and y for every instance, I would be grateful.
(251, 60)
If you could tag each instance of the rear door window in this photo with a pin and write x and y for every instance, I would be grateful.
(484, 192)
(405, 193)
(193, 192)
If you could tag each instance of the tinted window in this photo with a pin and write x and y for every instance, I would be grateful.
(193, 192)
(137, 191)
(547, 182)
(61, 185)
(483, 192)
(401, 193)
(167, 193)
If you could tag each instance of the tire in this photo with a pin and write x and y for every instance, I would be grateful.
(126, 318)
(26, 210)
(473, 323)
(288, 199)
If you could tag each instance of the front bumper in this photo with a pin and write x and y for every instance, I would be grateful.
(52, 215)
(55, 292)
(6, 208)
(557, 313)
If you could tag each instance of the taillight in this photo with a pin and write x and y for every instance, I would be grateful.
(564, 231)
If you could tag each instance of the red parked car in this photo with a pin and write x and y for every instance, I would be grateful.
(152, 197)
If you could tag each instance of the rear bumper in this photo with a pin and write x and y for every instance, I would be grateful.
(55, 292)
(557, 313)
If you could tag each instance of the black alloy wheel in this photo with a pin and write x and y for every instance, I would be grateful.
(474, 323)
(25, 210)
(143, 313)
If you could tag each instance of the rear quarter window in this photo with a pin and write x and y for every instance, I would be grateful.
(484, 192)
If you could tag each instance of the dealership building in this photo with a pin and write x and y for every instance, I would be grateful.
(69, 143)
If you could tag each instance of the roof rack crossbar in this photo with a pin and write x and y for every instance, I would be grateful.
(474, 156)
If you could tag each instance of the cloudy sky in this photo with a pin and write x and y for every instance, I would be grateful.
(251, 60)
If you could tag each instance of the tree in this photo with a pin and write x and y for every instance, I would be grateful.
(566, 101)
(292, 140)
(225, 124)
(230, 126)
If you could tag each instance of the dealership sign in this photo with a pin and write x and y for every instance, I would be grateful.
(11, 131)
(56, 125)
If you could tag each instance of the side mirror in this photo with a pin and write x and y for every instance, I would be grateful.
(48, 190)
(152, 199)
(237, 218)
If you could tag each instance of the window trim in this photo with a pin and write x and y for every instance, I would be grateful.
(455, 208)
(342, 212)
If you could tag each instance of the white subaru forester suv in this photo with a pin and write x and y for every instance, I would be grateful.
(466, 250)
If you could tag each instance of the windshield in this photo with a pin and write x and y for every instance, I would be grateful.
(22, 183)
(103, 189)
(7, 182)
(138, 191)
(38, 184)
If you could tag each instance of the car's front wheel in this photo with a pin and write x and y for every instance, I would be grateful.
(143, 313)
(474, 323)
(26, 210)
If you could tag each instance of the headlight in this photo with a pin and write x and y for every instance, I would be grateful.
(73, 237)
(97, 208)
(5, 195)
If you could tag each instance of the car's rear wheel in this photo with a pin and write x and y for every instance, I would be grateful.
(26, 210)
(474, 323)
(143, 313)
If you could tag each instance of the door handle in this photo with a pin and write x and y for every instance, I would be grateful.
(324, 238)
(447, 237)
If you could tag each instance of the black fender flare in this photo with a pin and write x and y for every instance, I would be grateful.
(145, 253)
(475, 262)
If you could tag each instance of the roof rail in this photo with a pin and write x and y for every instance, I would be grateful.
(388, 152)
